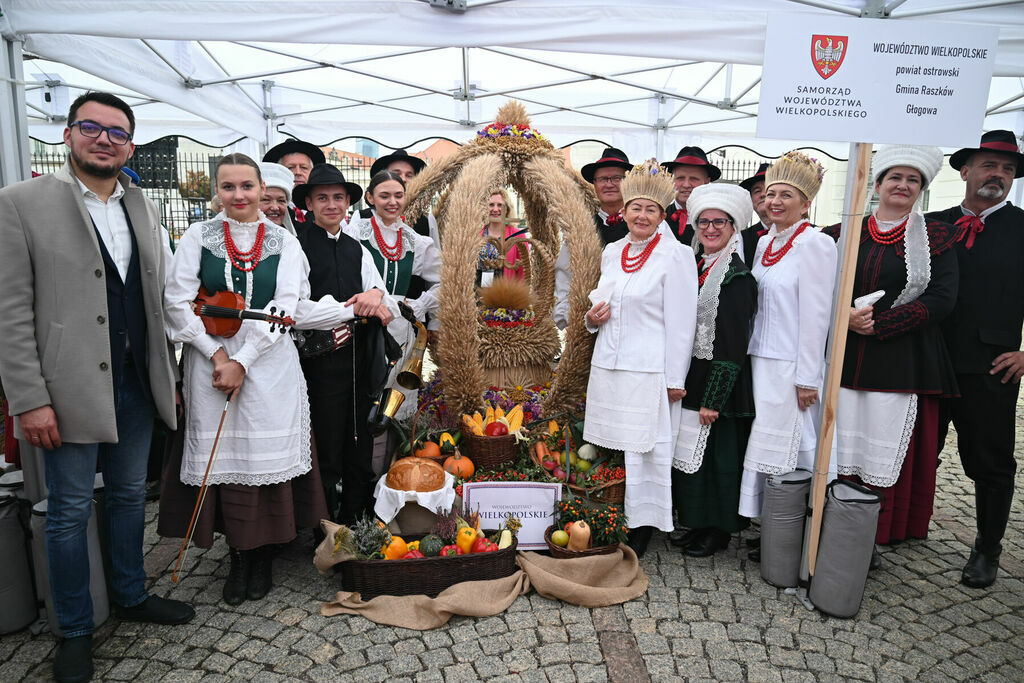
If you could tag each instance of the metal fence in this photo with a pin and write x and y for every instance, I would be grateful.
(179, 181)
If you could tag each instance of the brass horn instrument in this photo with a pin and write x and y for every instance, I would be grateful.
(410, 376)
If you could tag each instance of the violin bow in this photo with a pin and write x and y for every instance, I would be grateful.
(183, 553)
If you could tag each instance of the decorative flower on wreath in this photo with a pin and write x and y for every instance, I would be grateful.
(516, 130)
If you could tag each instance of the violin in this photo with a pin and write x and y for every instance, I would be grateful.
(223, 313)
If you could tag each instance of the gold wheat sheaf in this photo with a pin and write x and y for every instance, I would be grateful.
(559, 204)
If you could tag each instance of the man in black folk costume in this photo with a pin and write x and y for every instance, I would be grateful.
(344, 366)
(984, 336)
(749, 236)
(689, 169)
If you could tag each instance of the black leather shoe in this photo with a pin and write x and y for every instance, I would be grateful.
(238, 577)
(708, 543)
(981, 569)
(876, 559)
(682, 538)
(157, 610)
(260, 579)
(755, 554)
(73, 661)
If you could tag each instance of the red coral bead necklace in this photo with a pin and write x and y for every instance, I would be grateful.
(391, 253)
(239, 259)
(631, 264)
(704, 275)
(892, 236)
(770, 257)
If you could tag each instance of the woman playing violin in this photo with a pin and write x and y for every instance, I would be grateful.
(263, 482)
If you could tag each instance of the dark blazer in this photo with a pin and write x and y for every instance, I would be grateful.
(53, 312)
(989, 311)
(751, 236)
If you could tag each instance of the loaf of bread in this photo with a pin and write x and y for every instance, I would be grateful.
(415, 474)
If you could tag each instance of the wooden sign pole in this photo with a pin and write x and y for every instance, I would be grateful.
(858, 168)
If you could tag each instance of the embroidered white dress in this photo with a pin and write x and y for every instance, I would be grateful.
(265, 439)
(787, 350)
(641, 351)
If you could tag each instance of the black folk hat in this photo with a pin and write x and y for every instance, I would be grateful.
(325, 174)
(611, 157)
(398, 155)
(293, 146)
(759, 176)
(1001, 141)
(694, 156)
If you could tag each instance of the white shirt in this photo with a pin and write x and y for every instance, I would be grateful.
(111, 224)
(653, 312)
(986, 213)
(794, 302)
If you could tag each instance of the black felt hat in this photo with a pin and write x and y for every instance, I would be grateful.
(610, 157)
(694, 156)
(749, 182)
(293, 146)
(1002, 141)
(398, 155)
(325, 174)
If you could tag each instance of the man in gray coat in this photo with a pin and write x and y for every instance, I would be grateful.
(86, 364)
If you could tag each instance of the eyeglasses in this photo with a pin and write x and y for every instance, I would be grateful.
(609, 180)
(719, 223)
(91, 129)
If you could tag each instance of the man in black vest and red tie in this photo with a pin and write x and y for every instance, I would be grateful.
(689, 169)
(750, 236)
(606, 174)
(984, 337)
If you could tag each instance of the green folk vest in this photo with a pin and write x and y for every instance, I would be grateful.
(214, 262)
(396, 274)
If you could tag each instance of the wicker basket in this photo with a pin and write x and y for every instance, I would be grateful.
(489, 452)
(611, 492)
(425, 575)
(565, 554)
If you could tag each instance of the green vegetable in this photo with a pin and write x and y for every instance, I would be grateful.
(431, 545)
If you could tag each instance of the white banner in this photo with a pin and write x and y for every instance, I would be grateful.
(532, 502)
(875, 80)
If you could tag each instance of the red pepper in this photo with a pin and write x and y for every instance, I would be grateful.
(451, 551)
(412, 554)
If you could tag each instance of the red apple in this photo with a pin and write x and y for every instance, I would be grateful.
(548, 464)
(558, 473)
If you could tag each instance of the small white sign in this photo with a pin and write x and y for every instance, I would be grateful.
(533, 502)
(875, 80)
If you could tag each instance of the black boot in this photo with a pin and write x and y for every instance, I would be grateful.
(639, 538)
(993, 509)
(260, 579)
(238, 577)
(681, 538)
(708, 543)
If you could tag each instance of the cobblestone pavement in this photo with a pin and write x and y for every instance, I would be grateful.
(710, 618)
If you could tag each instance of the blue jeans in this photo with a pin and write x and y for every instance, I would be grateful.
(70, 471)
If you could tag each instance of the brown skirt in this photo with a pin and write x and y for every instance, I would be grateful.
(248, 516)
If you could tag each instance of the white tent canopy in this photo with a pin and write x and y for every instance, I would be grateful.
(648, 76)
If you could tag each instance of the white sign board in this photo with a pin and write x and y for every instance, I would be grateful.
(533, 502)
(875, 80)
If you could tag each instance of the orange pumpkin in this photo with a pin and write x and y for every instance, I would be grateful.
(459, 466)
(429, 450)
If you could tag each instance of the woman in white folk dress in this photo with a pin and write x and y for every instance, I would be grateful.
(644, 315)
(795, 269)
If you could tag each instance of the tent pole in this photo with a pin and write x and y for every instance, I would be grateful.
(857, 170)
(14, 143)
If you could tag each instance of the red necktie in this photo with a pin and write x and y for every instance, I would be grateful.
(761, 232)
(680, 218)
(613, 219)
(972, 225)
(300, 215)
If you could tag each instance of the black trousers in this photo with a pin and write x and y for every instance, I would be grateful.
(984, 417)
(343, 442)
